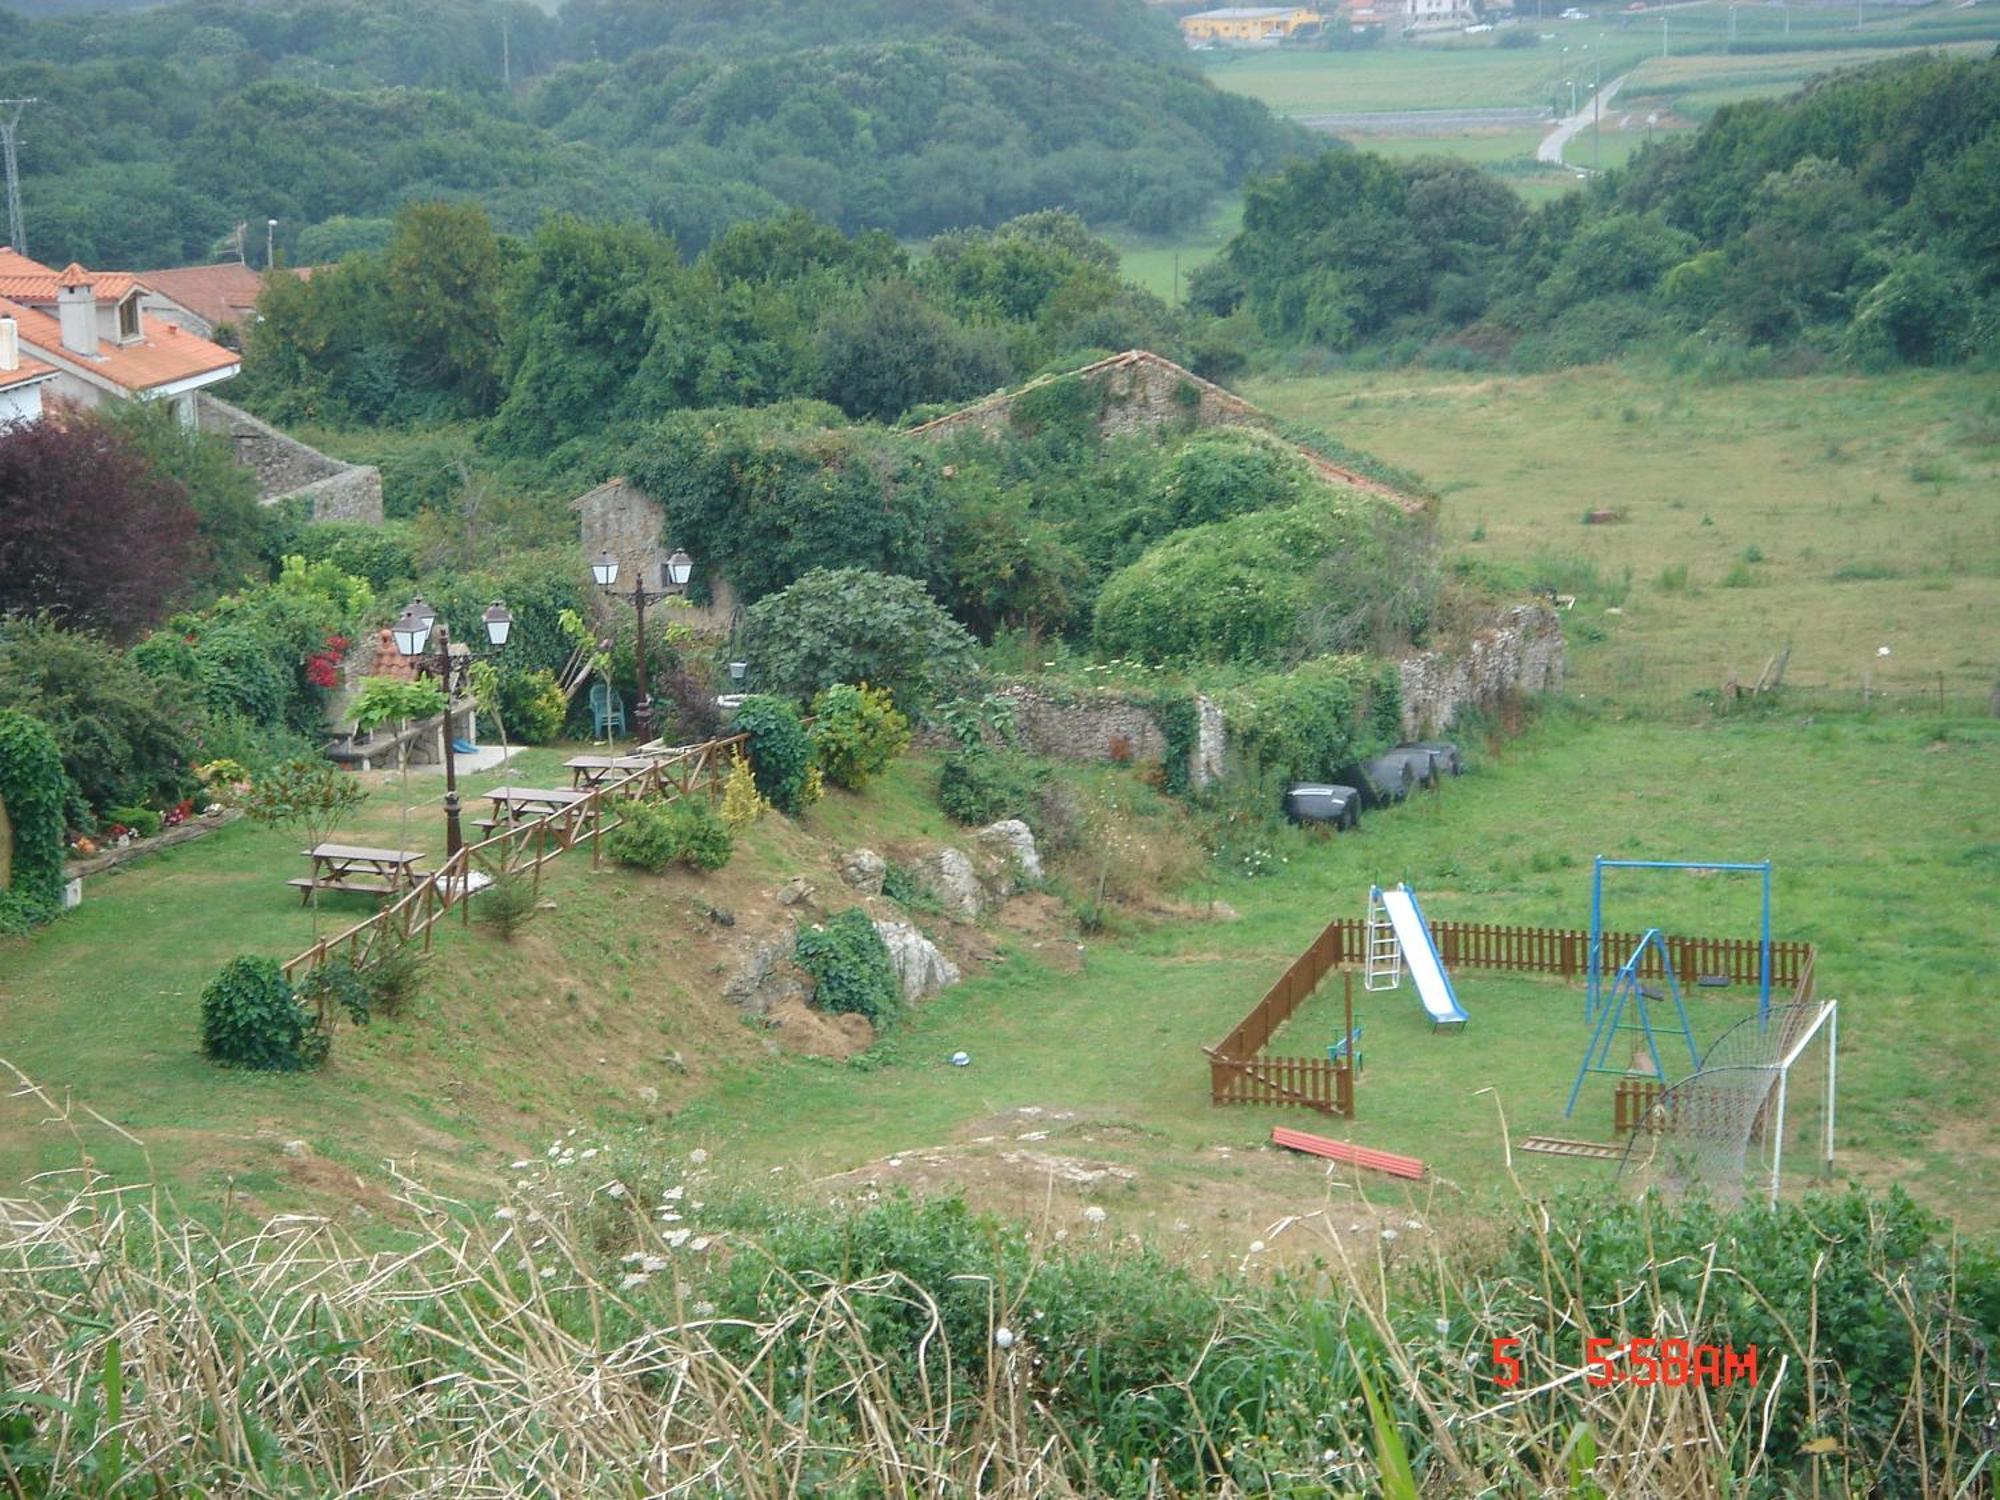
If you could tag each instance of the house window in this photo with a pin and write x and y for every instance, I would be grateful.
(128, 318)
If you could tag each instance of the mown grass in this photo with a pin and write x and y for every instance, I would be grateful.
(1510, 844)
(1162, 266)
(1868, 500)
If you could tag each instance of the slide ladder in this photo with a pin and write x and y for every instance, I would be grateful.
(1385, 955)
(1417, 953)
(1628, 989)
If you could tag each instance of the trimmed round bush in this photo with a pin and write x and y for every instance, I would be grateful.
(250, 1018)
(850, 965)
(855, 625)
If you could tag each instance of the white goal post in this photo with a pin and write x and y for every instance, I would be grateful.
(1828, 1020)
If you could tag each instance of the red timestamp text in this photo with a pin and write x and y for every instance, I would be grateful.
(1673, 1362)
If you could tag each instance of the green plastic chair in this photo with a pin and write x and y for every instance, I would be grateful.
(607, 711)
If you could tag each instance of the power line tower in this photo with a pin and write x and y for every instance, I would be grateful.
(10, 123)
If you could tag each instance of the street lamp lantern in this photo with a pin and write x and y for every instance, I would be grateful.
(604, 568)
(737, 669)
(412, 632)
(674, 575)
(680, 568)
(498, 623)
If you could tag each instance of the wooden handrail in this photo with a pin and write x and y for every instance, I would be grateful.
(454, 873)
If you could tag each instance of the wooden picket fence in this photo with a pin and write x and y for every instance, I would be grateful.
(1238, 1074)
(1565, 951)
(519, 848)
(1633, 1103)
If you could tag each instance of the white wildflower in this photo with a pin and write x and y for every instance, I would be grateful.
(632, 1279)
(671, 1194)
(1004, 1337)
(503, 1213)
(697, 1156)
(1093, 1215)
(676, 1238)
(1256, 1247)
(614, 1189)
(1388, 1234)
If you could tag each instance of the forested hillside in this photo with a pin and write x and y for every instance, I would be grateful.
(160, 130)
(1858, 218)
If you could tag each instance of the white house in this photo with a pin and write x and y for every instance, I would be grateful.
(21, 379)
(91, 330)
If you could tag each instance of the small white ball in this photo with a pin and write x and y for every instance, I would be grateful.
(1004, 1337)
(960, 1059)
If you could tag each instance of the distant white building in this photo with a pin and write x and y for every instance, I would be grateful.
(92, 331)
(21, 378)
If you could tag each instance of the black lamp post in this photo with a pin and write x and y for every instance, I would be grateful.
(415, 632)
(676, 570)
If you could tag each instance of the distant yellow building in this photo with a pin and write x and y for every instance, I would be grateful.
(1247, 23)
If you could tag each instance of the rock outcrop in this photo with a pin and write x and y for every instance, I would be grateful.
(863, 869)
(922, 969)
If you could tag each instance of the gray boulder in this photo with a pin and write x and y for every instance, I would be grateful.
(1014, 842)
(764, 978)
(949, 876)
(921, 968)
(863, 869)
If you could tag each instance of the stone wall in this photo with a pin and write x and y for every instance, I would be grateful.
(623, 520)
(1520, 652)
(287, 468)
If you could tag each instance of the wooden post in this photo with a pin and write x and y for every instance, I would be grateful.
(1347, 988)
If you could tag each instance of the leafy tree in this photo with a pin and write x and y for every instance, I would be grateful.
(312, 795)
(893, 351)
(443, 273)
(90, 532)
(850, 625)
(391, 700)
(780, 751)
(233, 531)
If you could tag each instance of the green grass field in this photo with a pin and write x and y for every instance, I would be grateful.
(1162, 266)
(1831, 514)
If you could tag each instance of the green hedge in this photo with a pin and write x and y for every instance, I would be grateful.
(31, 789)
(250, 1018)
(1310, 723)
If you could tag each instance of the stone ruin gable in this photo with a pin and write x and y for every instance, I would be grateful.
(288, 469)
(1144, 393)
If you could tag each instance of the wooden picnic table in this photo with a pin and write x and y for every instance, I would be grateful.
(510, 802)
(356, 867)
(587, 771)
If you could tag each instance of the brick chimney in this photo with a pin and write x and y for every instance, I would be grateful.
(76, 308)
(10, 345)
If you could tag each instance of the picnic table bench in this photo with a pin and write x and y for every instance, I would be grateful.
(356, 867)
(586, 771)
(513, 804)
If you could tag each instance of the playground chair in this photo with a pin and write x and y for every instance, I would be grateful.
(607, 711)
(1338, 1051)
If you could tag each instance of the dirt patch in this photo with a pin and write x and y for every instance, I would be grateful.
(1046, 928)
(1069, 1177)
(814, 1033)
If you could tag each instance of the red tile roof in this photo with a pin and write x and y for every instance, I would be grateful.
(26, 371)
(225, 293)
(26, 280)
(162, 355)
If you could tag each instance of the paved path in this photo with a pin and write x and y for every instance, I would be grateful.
(1551, 148)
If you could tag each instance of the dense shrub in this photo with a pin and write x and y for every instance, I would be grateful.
(689, 698)
(779, 749)
(507, 905)
(32, 792)
(532, 705)
(976, 787)
(125, 738)
(1336, 572)
(653, 835)
(853, 625)
(1323, 715)
(250, 1018)
(850, 966)
(379, 554)
(336, 987)
(856, 733)
(1229, 472)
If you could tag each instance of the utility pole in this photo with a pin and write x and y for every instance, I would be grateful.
(10, 123)
(1597, 119)
(506, 54)
(1663, 33)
